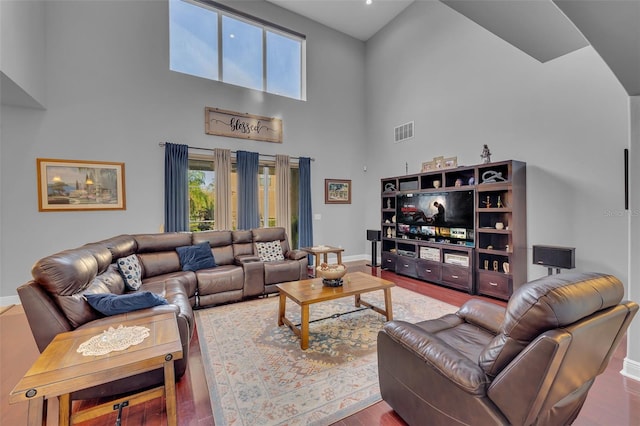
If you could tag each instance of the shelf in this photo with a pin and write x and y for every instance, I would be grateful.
(494, 210)
(493, 187)
(494, 252)
(494, 231)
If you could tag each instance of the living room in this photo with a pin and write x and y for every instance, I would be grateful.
(97, 85)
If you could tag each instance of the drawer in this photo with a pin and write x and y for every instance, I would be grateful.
(429, 271)
(496, 285)
(406, 266)
(389, 261)
(457, 276)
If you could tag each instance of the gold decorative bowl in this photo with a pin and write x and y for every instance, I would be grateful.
(331, 272)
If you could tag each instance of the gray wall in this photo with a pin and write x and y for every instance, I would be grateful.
(464, 87)
(111, 97)
(568, 119)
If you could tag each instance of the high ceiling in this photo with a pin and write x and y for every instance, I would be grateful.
(544, 29)
(352, 17)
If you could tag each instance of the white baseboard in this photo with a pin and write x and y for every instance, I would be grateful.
(631, 369)
(9, 300)
(355, 257)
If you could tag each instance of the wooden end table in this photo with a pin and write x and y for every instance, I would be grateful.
(323, 251)
(61, 370)
(308, 292)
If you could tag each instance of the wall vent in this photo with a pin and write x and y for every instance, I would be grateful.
(403, 132)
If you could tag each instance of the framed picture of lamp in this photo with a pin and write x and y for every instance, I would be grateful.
(71, 185)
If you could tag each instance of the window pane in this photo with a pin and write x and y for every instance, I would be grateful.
(283, 65)
(201, 195)
(241, 53)
(194, 39)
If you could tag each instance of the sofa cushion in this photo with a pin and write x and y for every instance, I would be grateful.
(196, 257)
(113, 304)
(131, 272)
(270, 251)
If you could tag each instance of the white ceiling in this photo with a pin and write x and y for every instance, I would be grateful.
(544, 29)
(352, 17)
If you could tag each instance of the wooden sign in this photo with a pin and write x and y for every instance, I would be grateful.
(239, 125)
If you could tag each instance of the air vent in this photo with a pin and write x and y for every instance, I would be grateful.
(403, 132)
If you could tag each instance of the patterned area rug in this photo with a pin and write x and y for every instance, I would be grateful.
(258, 375)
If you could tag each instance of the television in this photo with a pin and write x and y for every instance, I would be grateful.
(441, 217)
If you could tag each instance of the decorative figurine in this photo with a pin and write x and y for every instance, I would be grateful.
(388, 203)
(487, 203)
(486, 154)
(458, 182)
(499, 204)
(495, 265)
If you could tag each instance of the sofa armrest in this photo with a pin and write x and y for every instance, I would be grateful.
(483, 314)
(441, 357)
(296, 254)
(246, 258)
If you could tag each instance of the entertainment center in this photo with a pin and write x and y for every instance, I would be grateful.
(463, 227)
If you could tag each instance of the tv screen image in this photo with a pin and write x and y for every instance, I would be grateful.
(446, 217)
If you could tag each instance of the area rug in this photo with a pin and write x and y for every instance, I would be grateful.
(258, 375)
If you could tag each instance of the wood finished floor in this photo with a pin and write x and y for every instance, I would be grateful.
(612, 401)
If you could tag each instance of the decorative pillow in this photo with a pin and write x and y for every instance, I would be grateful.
(113, 304)
(131, 271)
(196, 257)
(269, 252)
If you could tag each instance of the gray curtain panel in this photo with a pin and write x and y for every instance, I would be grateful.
(176, 187)
(283, 190)
(222, 167)
(248, 210)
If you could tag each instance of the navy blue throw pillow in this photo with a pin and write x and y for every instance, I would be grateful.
(196, 257)
(113, 304)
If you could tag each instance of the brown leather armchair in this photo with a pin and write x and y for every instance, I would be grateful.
(530, 363)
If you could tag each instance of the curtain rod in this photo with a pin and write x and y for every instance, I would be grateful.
(161, 144)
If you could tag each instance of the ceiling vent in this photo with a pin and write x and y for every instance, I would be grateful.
(403, 132)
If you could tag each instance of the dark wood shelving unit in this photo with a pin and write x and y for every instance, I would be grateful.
(496, 264)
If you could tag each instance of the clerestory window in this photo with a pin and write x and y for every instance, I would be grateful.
(213, 41)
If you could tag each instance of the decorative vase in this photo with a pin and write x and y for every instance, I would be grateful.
(436, 184)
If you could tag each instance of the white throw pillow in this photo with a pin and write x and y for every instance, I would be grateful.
(131, 271)
(269, 252)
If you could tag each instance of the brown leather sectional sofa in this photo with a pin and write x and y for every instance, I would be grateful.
(54, 303)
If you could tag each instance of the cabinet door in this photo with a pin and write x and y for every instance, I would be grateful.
(429, 271)
(496, 285)
(457, 276)
(389, 261)
(406, 266)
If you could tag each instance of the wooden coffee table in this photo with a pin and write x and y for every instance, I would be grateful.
(61, 370)
(308, 292)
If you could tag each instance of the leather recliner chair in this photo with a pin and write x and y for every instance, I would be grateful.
(531, 363)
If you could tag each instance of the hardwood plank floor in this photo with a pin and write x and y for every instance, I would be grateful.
(613, 400)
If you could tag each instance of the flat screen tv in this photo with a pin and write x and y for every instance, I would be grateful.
(442, 217)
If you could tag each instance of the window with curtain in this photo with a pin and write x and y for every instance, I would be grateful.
(202, 199)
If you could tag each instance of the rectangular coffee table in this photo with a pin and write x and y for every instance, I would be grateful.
(61, 370)
(308, 292)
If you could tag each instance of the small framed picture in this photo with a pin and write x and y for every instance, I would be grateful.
(439, 162)
(337, 191)
(428, 166)
(450, 162)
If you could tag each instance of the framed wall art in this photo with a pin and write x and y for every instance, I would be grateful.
(337, 191)
(69, 185)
